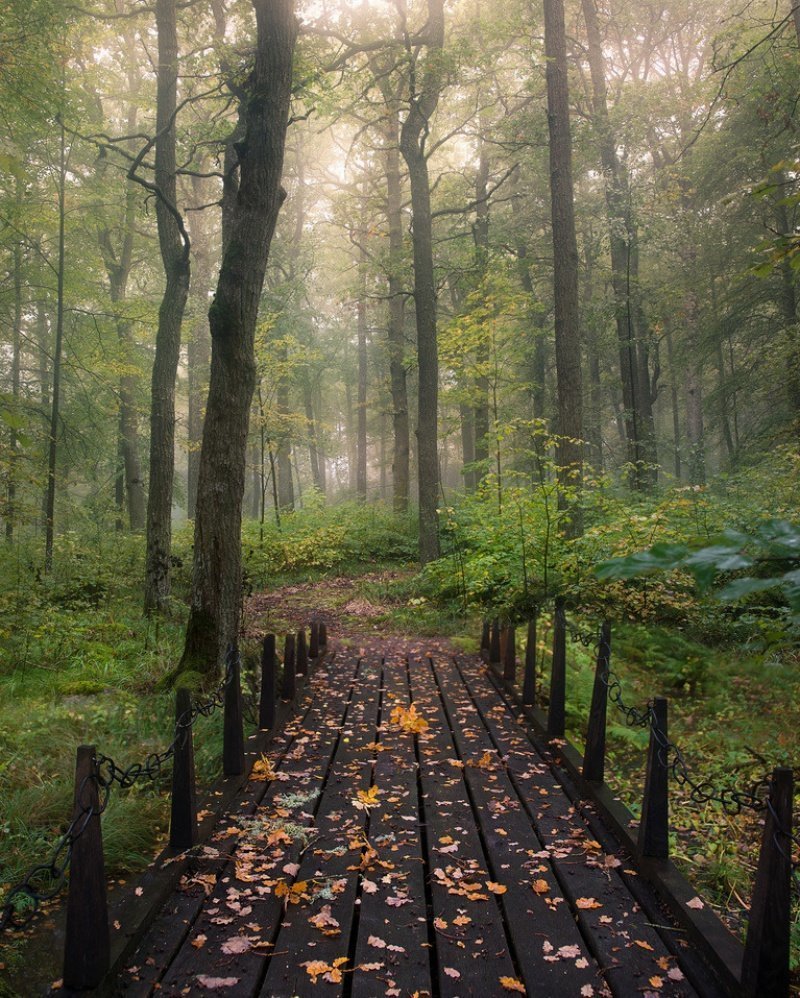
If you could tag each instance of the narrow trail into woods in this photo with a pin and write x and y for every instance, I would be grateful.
(405, 836)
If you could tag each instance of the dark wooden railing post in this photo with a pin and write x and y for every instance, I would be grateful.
(494, 644)
(323, 635)
(594, 756)
(232, 729)
(654, 824)
(289, 689)
(86, 944)
(529, 683)
(556, 714)
(183, 817)
(266, 705)
(765, 968)
(313, 643)
(510, 656)
(302, 653)
(485, 640)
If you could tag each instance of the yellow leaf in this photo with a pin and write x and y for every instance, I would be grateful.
(408, 719)
(587, 903)
(540, 886)
(643, 944)
(496, 888)
(656, 982)
(512, 984)
(262, 770)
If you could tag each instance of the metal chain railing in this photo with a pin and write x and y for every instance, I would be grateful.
(44, 881)
(635, 717)
(732, 800)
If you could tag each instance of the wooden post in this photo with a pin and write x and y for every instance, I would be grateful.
(289, 662)
(266, 706)
(183, 818)
(86, 943)
(313, 644)
(323, 635)
(302, 653)
(232, 730)
(510, 656)
(485, 639)
(654, 824)
(594, 755)
(556, 715)
(765, 968)
(529, 683)
(494, 644)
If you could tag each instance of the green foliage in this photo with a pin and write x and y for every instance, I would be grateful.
(770, 555)
(322, 537)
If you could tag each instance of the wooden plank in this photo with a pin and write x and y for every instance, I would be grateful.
(706, 951)
(620, 935)
(324, 713)
(330, 866)
(471, 947)
(540, 925)
(392, 906)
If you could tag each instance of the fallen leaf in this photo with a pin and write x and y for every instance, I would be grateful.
(656, 982)
(262, 770)
(540, 886)
(370, 966)
(495, 888)
(512, 984)
(643, 944)
(369, 886)
(695, 903)
(587, 903)
(236, 944)
(216, 982)
(199, 942)
(377, 942)
(408, 719)
(568, 952)
(675, 974)
(452, 972)
(366, 799)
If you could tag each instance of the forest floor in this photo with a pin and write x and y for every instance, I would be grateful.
(733, 715)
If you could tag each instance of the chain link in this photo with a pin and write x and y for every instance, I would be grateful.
(732, 800)
(44, 881)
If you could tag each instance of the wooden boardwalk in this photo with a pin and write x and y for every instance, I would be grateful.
(410, 839)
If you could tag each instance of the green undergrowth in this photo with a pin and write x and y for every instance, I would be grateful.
(80, 664)
(734, 715)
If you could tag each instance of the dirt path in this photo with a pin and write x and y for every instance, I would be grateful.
(353, 619)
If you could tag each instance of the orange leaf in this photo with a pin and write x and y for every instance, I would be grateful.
(512, 984)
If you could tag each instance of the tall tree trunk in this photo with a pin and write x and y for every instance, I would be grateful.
(174, 245)
(676, 416)
(788, 305)
(198, 346)
(311, 430)
(16, 340)
(565, 264)
(55, 396)
(480, 233)
(361, 332)
(217, 577)
(413, 137)
(396, 328)
(283, 454)
(639, 427)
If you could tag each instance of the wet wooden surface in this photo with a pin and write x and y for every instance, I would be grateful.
(408, 839)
